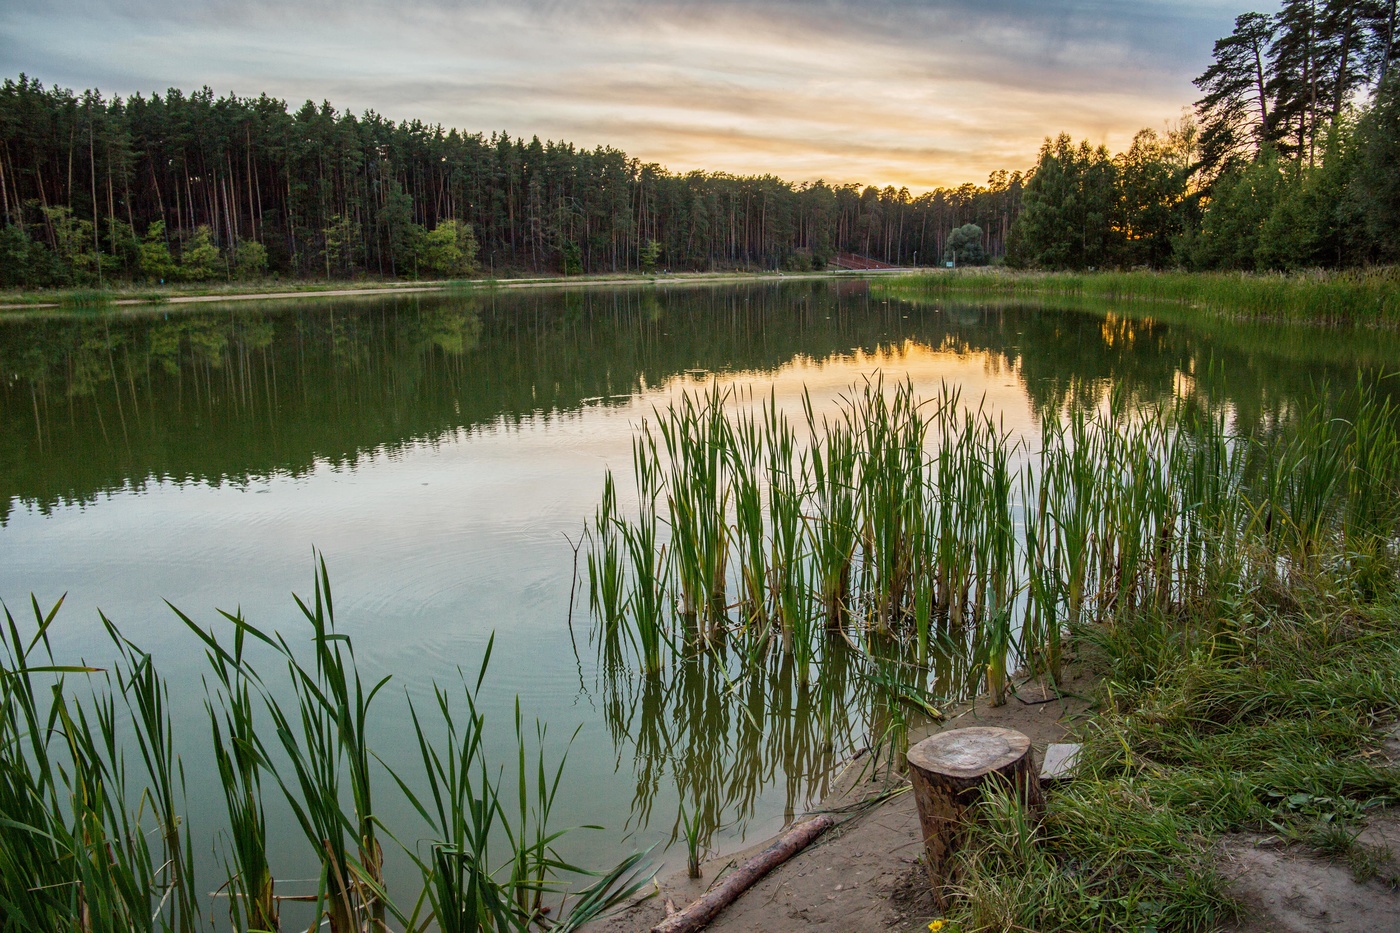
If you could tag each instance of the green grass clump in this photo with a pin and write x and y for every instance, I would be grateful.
(1102, 859)
(85, 299)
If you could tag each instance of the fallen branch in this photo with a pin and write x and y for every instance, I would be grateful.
(702, 911)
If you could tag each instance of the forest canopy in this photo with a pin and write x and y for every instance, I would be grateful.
(1287, 161)
(144, 188)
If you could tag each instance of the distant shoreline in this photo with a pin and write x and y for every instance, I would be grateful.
(71, 301)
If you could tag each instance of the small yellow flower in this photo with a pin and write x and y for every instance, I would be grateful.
(936, 925)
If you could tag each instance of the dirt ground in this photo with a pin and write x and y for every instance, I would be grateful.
(1285, 889)
(863, 875)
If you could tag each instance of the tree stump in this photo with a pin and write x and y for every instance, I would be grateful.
(949, 772)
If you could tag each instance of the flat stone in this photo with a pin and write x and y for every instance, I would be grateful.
(1060, 759)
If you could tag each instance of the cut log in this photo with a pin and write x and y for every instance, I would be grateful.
(702, 911)
(949, 772)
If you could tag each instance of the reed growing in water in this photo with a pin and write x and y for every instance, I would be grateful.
(924, 521)
(88, 844)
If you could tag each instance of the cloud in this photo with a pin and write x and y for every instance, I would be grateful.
(916, 92)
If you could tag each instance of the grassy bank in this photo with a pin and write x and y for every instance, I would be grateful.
(1263, 714)
(1361, 297)
(155, 294)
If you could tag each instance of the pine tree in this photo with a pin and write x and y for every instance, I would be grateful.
(1293, 75)
(1068, 209)
(1234, 112)
(1382, 41)
(1374, 192)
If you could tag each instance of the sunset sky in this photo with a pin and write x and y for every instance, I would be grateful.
(906, 92)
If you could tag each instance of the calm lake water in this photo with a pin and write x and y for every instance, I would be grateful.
(442, 452)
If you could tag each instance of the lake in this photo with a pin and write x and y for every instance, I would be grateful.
(445, 455)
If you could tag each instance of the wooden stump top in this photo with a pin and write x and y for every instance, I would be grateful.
(969, 753)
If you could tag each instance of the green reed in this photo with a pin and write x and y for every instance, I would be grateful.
(239, 757)
(924, 521)
(1372, 511)
(723, 726)
(833, 530)
(33, 862)
(462, 809)
(786, 469)
(147, 698)
(86, 299)
(951, 567)
(323, 738)
(468, 888)
(999, 549)
(1316, 473)
(691, 829)
(534, 860)
(1042, 626)
(606, 582)
(74, 854)
(1212, 505)
(745, 453)
(695, 436)
(890, 462)
(648, 559)
(115, 875)
(89, 844)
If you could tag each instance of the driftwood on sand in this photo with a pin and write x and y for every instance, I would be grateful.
(702, 911)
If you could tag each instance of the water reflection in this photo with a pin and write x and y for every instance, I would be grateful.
(715, 729)
(92, 405)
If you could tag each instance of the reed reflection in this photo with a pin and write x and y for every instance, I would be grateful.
(710, 732)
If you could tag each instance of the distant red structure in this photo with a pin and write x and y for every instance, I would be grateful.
(852, 261)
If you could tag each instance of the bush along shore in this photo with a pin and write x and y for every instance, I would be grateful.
(1362, 297)
(1232, 584)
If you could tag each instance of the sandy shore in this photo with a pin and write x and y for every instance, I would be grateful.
(862, 876)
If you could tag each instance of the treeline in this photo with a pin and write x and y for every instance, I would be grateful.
(201, 187)
(1289, 161)
(1292, 159)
